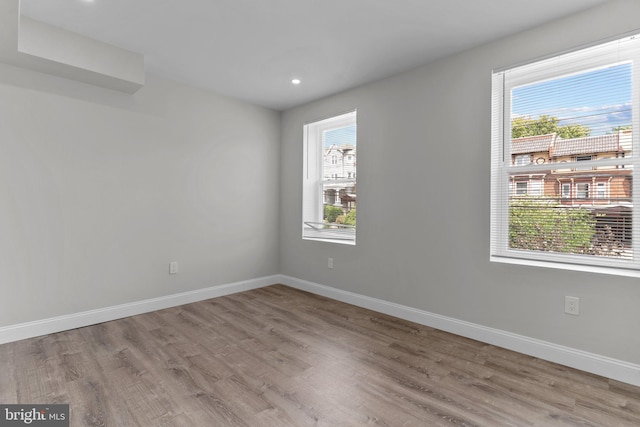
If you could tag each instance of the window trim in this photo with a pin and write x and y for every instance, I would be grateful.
(502, 169)
(536, 187)
(518, 191)
(585, 193)
(313, 179)
(602, 190)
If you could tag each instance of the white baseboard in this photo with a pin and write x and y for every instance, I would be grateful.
(91, 317)
(589, 362)
(578, 359)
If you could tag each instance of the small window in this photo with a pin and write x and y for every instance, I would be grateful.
(523, 160)
(585, 159)
(521, 188)
(535, 187)
(329, 185)
(566, 190)
(582, 190)
(601, 190)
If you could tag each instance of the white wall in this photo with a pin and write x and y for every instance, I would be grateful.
(100, 190)
(423, 213)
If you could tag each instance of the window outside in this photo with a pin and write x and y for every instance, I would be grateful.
(601, 190)
(521, 188)
(582, 190)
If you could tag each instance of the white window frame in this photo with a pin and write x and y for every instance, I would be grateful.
(624, 49)
(522, 159)
(565, 190)
(583, 190)
(601, 190)
(536, 187)
(518, 190)
(313, 182)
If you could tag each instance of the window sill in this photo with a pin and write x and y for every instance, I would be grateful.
(341, 236)
(341, 242)
(625, 272)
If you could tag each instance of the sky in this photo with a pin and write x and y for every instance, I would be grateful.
(340, 136)
(599, 99)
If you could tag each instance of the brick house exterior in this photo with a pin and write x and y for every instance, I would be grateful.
(604, 189)
(594, 186)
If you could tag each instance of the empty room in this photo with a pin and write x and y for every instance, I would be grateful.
(179, 182)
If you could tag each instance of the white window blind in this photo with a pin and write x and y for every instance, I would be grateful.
(577, 114)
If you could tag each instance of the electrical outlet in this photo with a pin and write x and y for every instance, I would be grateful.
(330, 263)
(572, 305)
(173, 267)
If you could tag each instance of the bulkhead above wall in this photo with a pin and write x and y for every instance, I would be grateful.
(31, 44)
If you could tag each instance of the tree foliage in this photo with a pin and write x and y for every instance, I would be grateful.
(331, 213)
(617, 129)
(348, 219)
(544, 225)
(527, 126)
(538, 224)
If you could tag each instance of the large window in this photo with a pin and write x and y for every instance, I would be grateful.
(580, 111)
(329, 182)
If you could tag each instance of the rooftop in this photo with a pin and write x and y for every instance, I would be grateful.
(586, 145)
(532, 144)
(559, 147)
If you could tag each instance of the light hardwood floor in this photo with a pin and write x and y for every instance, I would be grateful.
(279, 357)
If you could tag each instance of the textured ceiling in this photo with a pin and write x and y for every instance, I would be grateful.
(251, 49)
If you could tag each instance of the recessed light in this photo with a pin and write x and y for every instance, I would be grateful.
(296, 81)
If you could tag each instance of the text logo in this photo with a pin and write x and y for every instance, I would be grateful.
(34, 415)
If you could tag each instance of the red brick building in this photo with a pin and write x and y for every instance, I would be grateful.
(604, 187)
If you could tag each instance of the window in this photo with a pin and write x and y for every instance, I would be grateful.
(582, 190)
(601, 190)
(579, 107)
(329, 185)
(583, 158)
(521, 188)
(535, 187)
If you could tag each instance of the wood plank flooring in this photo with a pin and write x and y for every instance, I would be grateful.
(280, 357)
